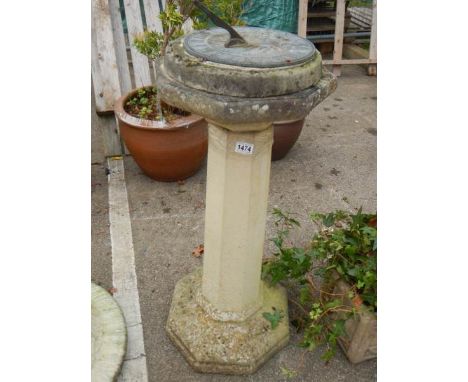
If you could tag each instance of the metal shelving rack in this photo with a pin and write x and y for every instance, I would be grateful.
(328, 23)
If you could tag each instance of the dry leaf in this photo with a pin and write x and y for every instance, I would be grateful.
(357, 301)
(112, 290)
(200, 204)
(198, 251)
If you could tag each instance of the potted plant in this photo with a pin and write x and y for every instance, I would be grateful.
(167, 143)
(336, 276)
(153, 45)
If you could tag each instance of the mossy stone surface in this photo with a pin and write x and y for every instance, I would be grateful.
(236, 81)
(225, 347)
(232, 112)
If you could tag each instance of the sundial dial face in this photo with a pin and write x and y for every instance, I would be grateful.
(267, 48)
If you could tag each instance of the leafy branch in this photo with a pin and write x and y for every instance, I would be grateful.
(153, 44)
(345, 248)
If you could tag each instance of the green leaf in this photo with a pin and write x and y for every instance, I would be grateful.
(339, 327)
(312, 346)
(329, 220)
(316, 217)
(328, 355)
(278, 242)
(288, 373)
(350, 250)
(273, 318)
(277, 212)
(294, 221)
(333, 304)
(304, 295)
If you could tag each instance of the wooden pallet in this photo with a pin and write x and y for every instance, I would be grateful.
(361, 16)
(116, 65)
(112, 73)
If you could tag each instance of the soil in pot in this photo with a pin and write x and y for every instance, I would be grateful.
(146, 104)
(285, 135)
(166, 150)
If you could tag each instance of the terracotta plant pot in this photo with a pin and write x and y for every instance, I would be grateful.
(174, 151)
(285, 135)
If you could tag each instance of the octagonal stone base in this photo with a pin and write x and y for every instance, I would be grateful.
(225, 347)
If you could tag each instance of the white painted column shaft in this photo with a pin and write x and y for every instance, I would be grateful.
(236, 204)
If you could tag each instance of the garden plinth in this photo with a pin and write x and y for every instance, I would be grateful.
(216, 317)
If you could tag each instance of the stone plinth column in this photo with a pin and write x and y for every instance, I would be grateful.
(216, 317)
(236, 203)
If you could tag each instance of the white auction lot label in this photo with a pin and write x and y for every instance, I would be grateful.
(244, 148)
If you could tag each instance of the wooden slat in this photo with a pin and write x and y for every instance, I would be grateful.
(364, 12)
(321, 13)
(153, 21)
(302, 18)
(103, 58)
(140, 62)
(360, 24)
(330, 27)
(105, 126)
(120, 48)
(354, 51)
(339, 31)
(372, 69)
(367, 21)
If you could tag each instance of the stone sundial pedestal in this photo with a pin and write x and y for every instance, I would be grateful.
(216, 317)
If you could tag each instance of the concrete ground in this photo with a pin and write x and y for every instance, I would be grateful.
(332, 166)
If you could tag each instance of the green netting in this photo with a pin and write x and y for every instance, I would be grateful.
(274, 14)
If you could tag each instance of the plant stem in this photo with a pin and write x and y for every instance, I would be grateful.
(309, 279)
(299, 306)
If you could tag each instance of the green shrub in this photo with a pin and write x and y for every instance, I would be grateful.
(345, 248)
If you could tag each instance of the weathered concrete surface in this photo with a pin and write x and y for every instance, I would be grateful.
(108, 336)
(240, 81)
(213, 346)
(334, 158)
(228, 110)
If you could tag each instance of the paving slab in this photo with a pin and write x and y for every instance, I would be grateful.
(333, 165)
